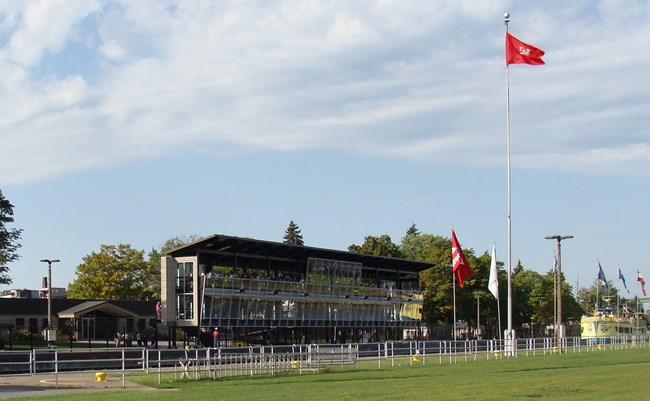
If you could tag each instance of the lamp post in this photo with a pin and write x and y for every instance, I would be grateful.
(49, 294)
(558, 323)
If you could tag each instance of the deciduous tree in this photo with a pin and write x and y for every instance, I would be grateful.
(9, 238)
(377, 245)
(115, 272)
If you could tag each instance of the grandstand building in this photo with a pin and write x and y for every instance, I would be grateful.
(261, 292)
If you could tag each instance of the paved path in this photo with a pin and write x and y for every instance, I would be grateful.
(46, 384)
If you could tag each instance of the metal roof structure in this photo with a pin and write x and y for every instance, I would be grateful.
(248, 248)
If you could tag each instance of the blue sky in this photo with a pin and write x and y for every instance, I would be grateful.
(134, 122)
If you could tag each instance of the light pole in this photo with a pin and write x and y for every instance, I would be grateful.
(558, 325)
(49, 295)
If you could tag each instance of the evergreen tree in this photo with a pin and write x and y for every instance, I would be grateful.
(292, 235)
(8, 239)
(412, 231)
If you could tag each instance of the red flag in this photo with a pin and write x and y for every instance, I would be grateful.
(461, 267)
(641, 280)
(518, 52)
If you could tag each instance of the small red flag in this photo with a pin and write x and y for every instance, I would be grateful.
(641, 280)
(518, 52)
(461, 268)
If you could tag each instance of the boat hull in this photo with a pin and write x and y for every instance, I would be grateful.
(605, 326)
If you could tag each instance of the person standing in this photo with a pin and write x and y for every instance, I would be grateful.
(215, 338)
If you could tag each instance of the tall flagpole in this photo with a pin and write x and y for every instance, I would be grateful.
(454, 285)
(509, 337)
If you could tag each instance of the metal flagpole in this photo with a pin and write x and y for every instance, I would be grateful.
(454, 285)
(555, 323)
(499, 315)
(597, 286)
(509, 335)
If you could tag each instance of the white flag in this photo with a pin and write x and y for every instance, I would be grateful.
(493, 282)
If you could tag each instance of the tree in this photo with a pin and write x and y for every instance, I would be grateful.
(379, 246)
(292, 235)
(415, 246)
(587, 296)
(412, 231)
(9, 238)
(115, 272)
(437, 281)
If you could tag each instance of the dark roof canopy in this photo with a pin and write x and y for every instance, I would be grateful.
(258, 249)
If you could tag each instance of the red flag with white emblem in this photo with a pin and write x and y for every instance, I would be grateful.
(461, 268)
(518, 52)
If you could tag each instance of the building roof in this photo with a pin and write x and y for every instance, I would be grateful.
(219, 244)
(38, 306)
(89, 306)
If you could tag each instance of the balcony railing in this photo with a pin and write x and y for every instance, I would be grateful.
(292, 288)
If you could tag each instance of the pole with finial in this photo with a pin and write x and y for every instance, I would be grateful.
(509, 335)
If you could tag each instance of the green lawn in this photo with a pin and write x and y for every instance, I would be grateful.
(604, 375)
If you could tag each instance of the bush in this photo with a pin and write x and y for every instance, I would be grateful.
(24, 334)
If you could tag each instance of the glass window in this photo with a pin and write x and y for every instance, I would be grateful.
(184, 278)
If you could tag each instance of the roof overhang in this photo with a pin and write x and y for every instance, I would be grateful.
(259, 249)
(91, 306)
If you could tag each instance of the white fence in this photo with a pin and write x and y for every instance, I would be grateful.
(219, 363)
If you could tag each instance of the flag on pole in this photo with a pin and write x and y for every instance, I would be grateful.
(493, 282)
(518, 52)
(622, 278)
(641, 280)
(461, 268)
(601, 278)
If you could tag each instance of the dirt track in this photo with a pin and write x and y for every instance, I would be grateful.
(50, 384)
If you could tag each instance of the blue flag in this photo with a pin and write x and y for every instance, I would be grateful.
(601, 278)
(622, 278)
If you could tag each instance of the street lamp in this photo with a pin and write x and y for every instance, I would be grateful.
(559, 238)
(49, 295)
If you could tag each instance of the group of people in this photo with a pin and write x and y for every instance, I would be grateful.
(142, 339)
(262, 276)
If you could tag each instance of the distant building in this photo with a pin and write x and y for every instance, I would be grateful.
(20, 293)
(84, 319)
(266, 292)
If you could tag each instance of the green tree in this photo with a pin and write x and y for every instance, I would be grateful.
(9, 238)
(437, 283)
(380, 246)
(115, 272)
(532, 297)
(535, 298)
(587, 296)
(412, 231)
(292, 235)
(416, 247)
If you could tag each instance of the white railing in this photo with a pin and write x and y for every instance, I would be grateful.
(219, 363)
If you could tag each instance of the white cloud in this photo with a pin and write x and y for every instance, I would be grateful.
(401, 79)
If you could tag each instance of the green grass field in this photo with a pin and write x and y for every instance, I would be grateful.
(604, 375)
